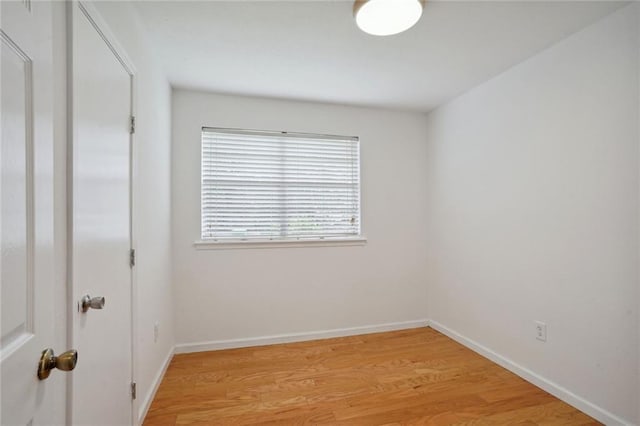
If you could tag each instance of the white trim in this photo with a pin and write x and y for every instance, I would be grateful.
(146, 403)
(215, 345)
(104, 31)
(553, 388)
(244, 244)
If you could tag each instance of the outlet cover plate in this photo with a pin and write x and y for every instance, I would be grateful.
(541, 331)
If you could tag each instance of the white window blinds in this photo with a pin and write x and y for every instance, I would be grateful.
(279, 186)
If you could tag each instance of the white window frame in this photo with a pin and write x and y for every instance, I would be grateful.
(227, 243)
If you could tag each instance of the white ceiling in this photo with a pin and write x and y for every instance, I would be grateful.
(312, 50)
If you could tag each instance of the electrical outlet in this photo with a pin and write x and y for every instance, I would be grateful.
(541, 331)
(156, 331)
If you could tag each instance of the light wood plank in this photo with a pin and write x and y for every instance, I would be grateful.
(405, 377)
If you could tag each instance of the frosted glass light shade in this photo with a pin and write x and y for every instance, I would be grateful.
(387, 17)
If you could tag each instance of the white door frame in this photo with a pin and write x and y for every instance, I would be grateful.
(101, 27)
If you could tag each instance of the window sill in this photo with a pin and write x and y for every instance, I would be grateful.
(258, 244)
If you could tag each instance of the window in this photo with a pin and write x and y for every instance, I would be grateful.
(279, 186)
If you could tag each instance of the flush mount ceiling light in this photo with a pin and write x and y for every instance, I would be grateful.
(387, 17)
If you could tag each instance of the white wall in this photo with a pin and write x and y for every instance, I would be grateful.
(151, 200)
(248, 293)
(533, 213)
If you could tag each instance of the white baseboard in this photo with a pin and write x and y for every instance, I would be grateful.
(554, 389)
(146, 403)
(296, 337)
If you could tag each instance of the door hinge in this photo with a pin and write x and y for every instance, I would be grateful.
(132, 125)
(132, 258)
(133, 390)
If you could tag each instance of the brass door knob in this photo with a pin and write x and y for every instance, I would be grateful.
(89, 302)
(48, 361)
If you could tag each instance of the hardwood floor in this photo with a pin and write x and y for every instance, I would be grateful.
(416, 376)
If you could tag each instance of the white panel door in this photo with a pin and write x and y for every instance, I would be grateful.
(26, 205)
(101, 223)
